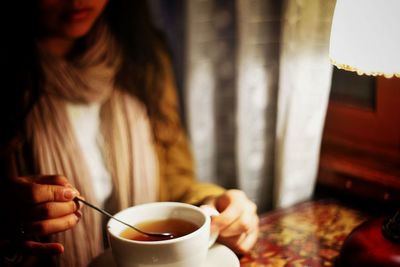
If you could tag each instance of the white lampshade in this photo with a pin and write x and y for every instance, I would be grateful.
(365, 36)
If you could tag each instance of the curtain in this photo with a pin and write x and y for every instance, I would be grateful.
(255, 85)
(304, 85)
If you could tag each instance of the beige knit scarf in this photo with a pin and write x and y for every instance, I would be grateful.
(128, 150)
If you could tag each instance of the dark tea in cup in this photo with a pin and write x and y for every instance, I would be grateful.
(177, 227)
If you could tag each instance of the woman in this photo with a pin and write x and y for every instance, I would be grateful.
(92, 98)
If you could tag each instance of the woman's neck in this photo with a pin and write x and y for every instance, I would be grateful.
(58, 47)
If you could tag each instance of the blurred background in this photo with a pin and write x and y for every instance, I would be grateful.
(256, 84)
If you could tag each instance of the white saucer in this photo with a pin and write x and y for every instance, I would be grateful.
(218, 256)
(221, 256)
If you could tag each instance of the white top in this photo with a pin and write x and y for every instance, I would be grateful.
(85, 122)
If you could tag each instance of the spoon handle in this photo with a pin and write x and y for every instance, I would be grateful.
(107, 214)
(154, 234)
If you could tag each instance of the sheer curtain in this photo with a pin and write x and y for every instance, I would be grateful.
(255, 85)
(304, 84)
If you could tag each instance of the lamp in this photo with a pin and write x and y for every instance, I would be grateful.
(365, 38)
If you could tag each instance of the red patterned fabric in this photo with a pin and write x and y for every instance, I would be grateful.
(309, 234)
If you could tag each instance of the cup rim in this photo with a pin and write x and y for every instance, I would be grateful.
(161, 242)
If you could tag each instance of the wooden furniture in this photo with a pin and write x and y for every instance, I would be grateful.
(360, 158)
(309, 234)
(360, 152)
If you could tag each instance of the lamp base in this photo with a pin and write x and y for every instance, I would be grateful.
(367, 246)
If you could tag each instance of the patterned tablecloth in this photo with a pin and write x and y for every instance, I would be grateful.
(309, 234)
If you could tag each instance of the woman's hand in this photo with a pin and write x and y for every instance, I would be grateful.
(237, 222)
(35, 207)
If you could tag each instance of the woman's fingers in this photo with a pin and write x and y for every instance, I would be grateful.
(246, 222)
(31, 247)
(50, 179)
(42, 205)
(51, 226)
(237, 222)
(239, 214)
(47, 193)
(50, 210)
(242, 243)
(249, 241)
(35, 190)
(230, 205)
(37, 248)
(227, 218)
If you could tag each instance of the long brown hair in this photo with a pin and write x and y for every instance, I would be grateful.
(21, 76)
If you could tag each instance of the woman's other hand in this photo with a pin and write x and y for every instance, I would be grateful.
(237, 222)
(35, 207)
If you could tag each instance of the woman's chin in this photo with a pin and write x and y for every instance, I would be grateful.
(75, 31)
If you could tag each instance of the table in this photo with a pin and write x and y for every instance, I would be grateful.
(309, 234)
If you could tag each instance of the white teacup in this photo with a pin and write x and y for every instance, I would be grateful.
(186, 251)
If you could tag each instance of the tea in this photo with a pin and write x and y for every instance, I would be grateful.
(177, 227)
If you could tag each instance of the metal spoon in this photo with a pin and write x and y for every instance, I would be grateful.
(160, 235)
